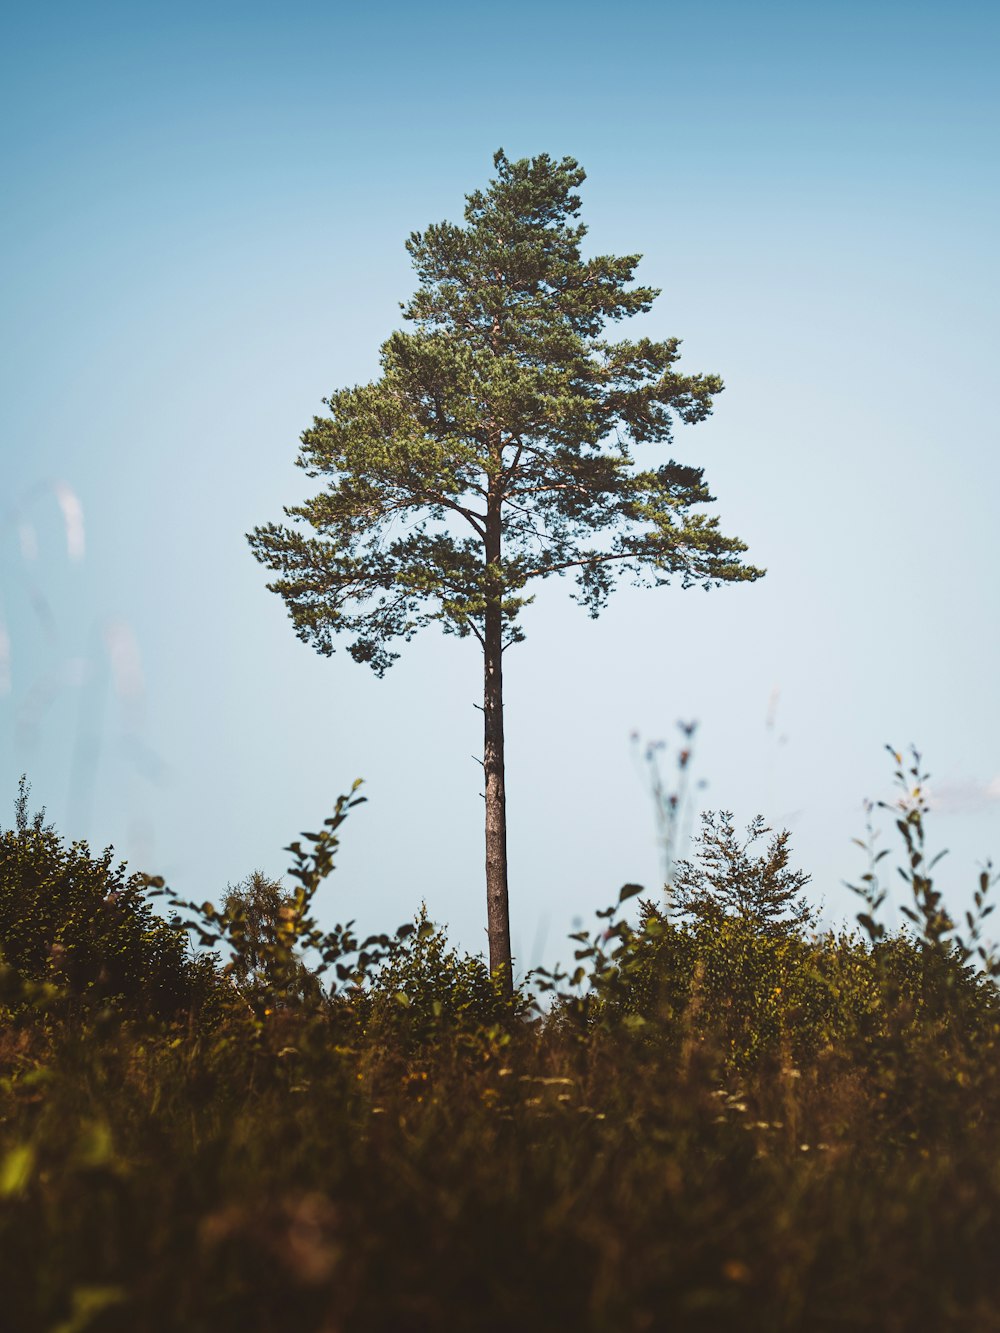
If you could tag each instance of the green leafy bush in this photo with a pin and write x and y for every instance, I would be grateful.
(751, 994)
(426, 991)
(82, 924)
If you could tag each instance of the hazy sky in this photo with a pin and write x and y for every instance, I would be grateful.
(202, 236)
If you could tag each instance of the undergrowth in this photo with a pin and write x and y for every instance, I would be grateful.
(716, 1117)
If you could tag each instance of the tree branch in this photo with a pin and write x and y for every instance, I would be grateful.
(588, 560)
(477, 521)
(510, 471)
(414, 501)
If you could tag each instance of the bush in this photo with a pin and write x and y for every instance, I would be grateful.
(738, 968)
(426, 991)
(752, 995)
(74, 919)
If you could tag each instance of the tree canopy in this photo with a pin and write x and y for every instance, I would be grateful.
(497, 446)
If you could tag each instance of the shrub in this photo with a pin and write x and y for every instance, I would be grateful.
(77, 920)
(426, 991)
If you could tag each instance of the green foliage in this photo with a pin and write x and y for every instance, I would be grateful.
(749, 995)
(726, 881)
(76, 924)
(426, 992)
(265, 964)
(496, 448)
(933, 925)
(737, 969)
(280, 957)
(716, 1124)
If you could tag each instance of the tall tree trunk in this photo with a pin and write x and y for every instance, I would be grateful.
(497, 906)
(497, 909)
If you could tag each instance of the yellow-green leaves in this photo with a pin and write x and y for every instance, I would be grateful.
(16, 1170)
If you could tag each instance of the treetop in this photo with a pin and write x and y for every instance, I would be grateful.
(495, 448)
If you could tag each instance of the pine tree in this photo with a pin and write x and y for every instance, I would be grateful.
(727, 880)
(501, 430)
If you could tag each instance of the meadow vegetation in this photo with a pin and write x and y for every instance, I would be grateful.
(717, 1116)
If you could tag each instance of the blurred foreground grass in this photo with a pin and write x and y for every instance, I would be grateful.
(719, 1121)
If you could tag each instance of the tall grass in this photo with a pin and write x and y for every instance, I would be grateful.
(706, 1125)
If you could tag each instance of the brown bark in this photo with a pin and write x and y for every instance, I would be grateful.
(497, 906)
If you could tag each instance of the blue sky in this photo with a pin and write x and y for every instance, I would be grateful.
(203, 236)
